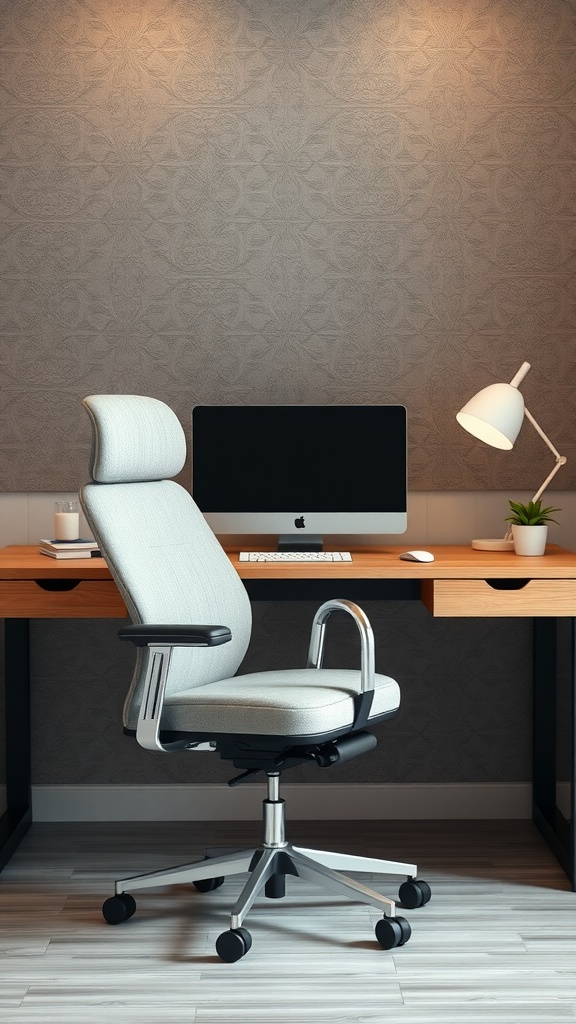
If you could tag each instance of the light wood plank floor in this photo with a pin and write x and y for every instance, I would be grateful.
(496, 944)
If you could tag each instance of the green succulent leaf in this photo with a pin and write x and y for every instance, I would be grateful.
(530, 514)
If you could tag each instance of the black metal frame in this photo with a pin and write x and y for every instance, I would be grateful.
(17, 817)
(558, 831)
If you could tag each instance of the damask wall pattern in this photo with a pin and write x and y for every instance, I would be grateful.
(272, 201)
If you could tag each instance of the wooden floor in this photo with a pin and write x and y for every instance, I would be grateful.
(497, 942)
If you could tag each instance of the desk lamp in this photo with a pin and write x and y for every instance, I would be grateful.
(495, 416)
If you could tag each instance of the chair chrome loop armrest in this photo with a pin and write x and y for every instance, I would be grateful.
(318, 637)
(142, 634)
(362, 700)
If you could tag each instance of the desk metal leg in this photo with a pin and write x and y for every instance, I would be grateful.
(556, 827)
(17, 818)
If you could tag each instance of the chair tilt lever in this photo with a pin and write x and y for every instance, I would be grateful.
(244, 776)
(334, 752)
(325, 754)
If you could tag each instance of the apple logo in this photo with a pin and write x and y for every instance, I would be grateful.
(299, 523)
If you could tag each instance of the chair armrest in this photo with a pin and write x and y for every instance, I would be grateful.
(144, 634)
(160, 640)
(363, 700)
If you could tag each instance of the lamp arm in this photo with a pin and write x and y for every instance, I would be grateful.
(560, 459)
(543, 487)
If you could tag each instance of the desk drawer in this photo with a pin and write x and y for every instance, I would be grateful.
(505, 598)
(47, 599)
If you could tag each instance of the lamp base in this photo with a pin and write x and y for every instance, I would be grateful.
(498, 544)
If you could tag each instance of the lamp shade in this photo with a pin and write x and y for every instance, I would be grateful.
(494, 415)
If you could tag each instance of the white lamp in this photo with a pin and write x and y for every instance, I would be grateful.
(495, 416)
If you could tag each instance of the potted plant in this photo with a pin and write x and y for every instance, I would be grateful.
(529, 523)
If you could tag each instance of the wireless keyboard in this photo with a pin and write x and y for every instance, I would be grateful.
(295, 556)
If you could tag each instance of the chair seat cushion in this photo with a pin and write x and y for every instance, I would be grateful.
(293, 702)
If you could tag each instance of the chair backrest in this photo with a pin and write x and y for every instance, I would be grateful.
(164, 558)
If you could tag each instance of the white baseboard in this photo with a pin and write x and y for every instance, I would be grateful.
(304, 802)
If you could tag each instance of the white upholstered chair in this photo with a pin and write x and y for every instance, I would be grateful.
(191, 623)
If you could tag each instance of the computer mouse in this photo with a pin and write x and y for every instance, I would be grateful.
(417, 556)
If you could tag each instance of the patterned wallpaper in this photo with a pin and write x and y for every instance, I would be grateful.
(304, 201)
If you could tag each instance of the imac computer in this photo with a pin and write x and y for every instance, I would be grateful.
(300, 471)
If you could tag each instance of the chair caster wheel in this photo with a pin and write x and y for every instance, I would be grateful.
(414, 893)
(392, 932)
(233, 944)
(119, 908)
(209, 884)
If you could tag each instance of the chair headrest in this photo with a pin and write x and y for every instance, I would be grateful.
(134, 438)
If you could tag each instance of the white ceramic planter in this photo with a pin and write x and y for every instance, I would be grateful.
(530, 540)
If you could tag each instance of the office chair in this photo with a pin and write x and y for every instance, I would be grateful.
(191, 622)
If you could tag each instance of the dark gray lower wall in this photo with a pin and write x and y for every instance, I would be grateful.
(465, 716)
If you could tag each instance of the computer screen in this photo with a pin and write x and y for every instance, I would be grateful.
(300, 471)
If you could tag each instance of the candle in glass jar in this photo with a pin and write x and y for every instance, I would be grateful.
(66, 520)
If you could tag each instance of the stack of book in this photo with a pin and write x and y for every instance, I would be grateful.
(70, 548)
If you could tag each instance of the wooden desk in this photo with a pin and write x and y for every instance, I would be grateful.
(34, 586)
(461, 582)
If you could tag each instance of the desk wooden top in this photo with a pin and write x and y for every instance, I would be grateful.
(451, 561)
(24, 562)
